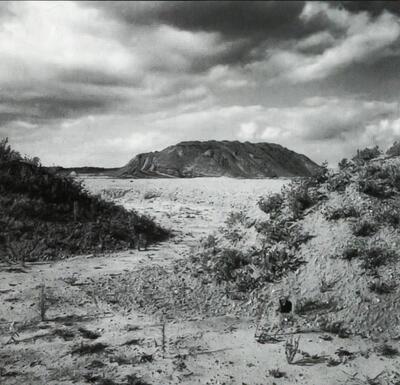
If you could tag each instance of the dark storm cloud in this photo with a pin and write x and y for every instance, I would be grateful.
(374, 8)
(52, 105)
(231, 18)
(247, 29)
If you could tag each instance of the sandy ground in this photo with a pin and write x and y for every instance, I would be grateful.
(127, 343)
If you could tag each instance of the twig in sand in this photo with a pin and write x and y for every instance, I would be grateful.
(291, 348)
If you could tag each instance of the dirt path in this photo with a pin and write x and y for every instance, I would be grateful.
(93, 335)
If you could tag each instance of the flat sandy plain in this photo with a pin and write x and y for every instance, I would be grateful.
(197, 349)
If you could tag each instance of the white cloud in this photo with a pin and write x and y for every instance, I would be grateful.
(360, 38)
(247, 131)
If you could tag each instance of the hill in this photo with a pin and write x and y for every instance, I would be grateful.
(219, 158)
(49, 216)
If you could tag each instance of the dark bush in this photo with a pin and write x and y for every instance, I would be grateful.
(353, 250)
(389, 215)
(367, 154)
(387, 351)
(381, 287)
(227, 262)
(37, 204)
(374, 257)
(299, 198)
(344, 164)
(394, 150)
(364, 228)
(375, 189)
(341, 212)
(271, 204)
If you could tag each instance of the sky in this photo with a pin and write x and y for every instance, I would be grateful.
(95, 83)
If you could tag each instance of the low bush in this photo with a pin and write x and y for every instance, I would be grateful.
(338, 181)
(344, 164)
(376, 256)
(299, 197)
(236, 218)
(386, 350)
(388, 215)
(375, 188)
(367, 154)
(364, 228)
(354, 249)
(271, 204)
(381, 287)
(347, 211)
(394, 150)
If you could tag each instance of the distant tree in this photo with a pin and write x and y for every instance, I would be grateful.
(343, 164)
(367, 154)
(394, 150)
(7, 153)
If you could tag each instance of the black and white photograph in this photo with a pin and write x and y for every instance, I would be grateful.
(200, 192)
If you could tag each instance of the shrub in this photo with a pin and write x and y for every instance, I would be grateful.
(375, 189)
(364, 228)
(394, 150)
(7, 154)
(367, 154)
(276, 373)
(271, 204)
(376, 256)
(274, 231)
(299, 198)
(352, 250)
(338, 182)
(236, 218)
(387, 351)
(343, 212)
(227, 262)
(380, 287)
(321, 175)
(279, 260)
(344, 164)
(389, 215)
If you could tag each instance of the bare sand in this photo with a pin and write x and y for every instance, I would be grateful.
(200, 349)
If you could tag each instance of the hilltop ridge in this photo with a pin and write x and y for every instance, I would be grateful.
(220, 158)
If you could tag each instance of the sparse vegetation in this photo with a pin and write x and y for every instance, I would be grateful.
(388, 351)
(315, 305)
(276, 373)
(394, 150)
(364, 228)
(291, 349)
(42, 303)
(151, 195)
(271, 204)
(376, 256)
(381, 287)
(47, 216)
(343, 212)
(367, 154)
